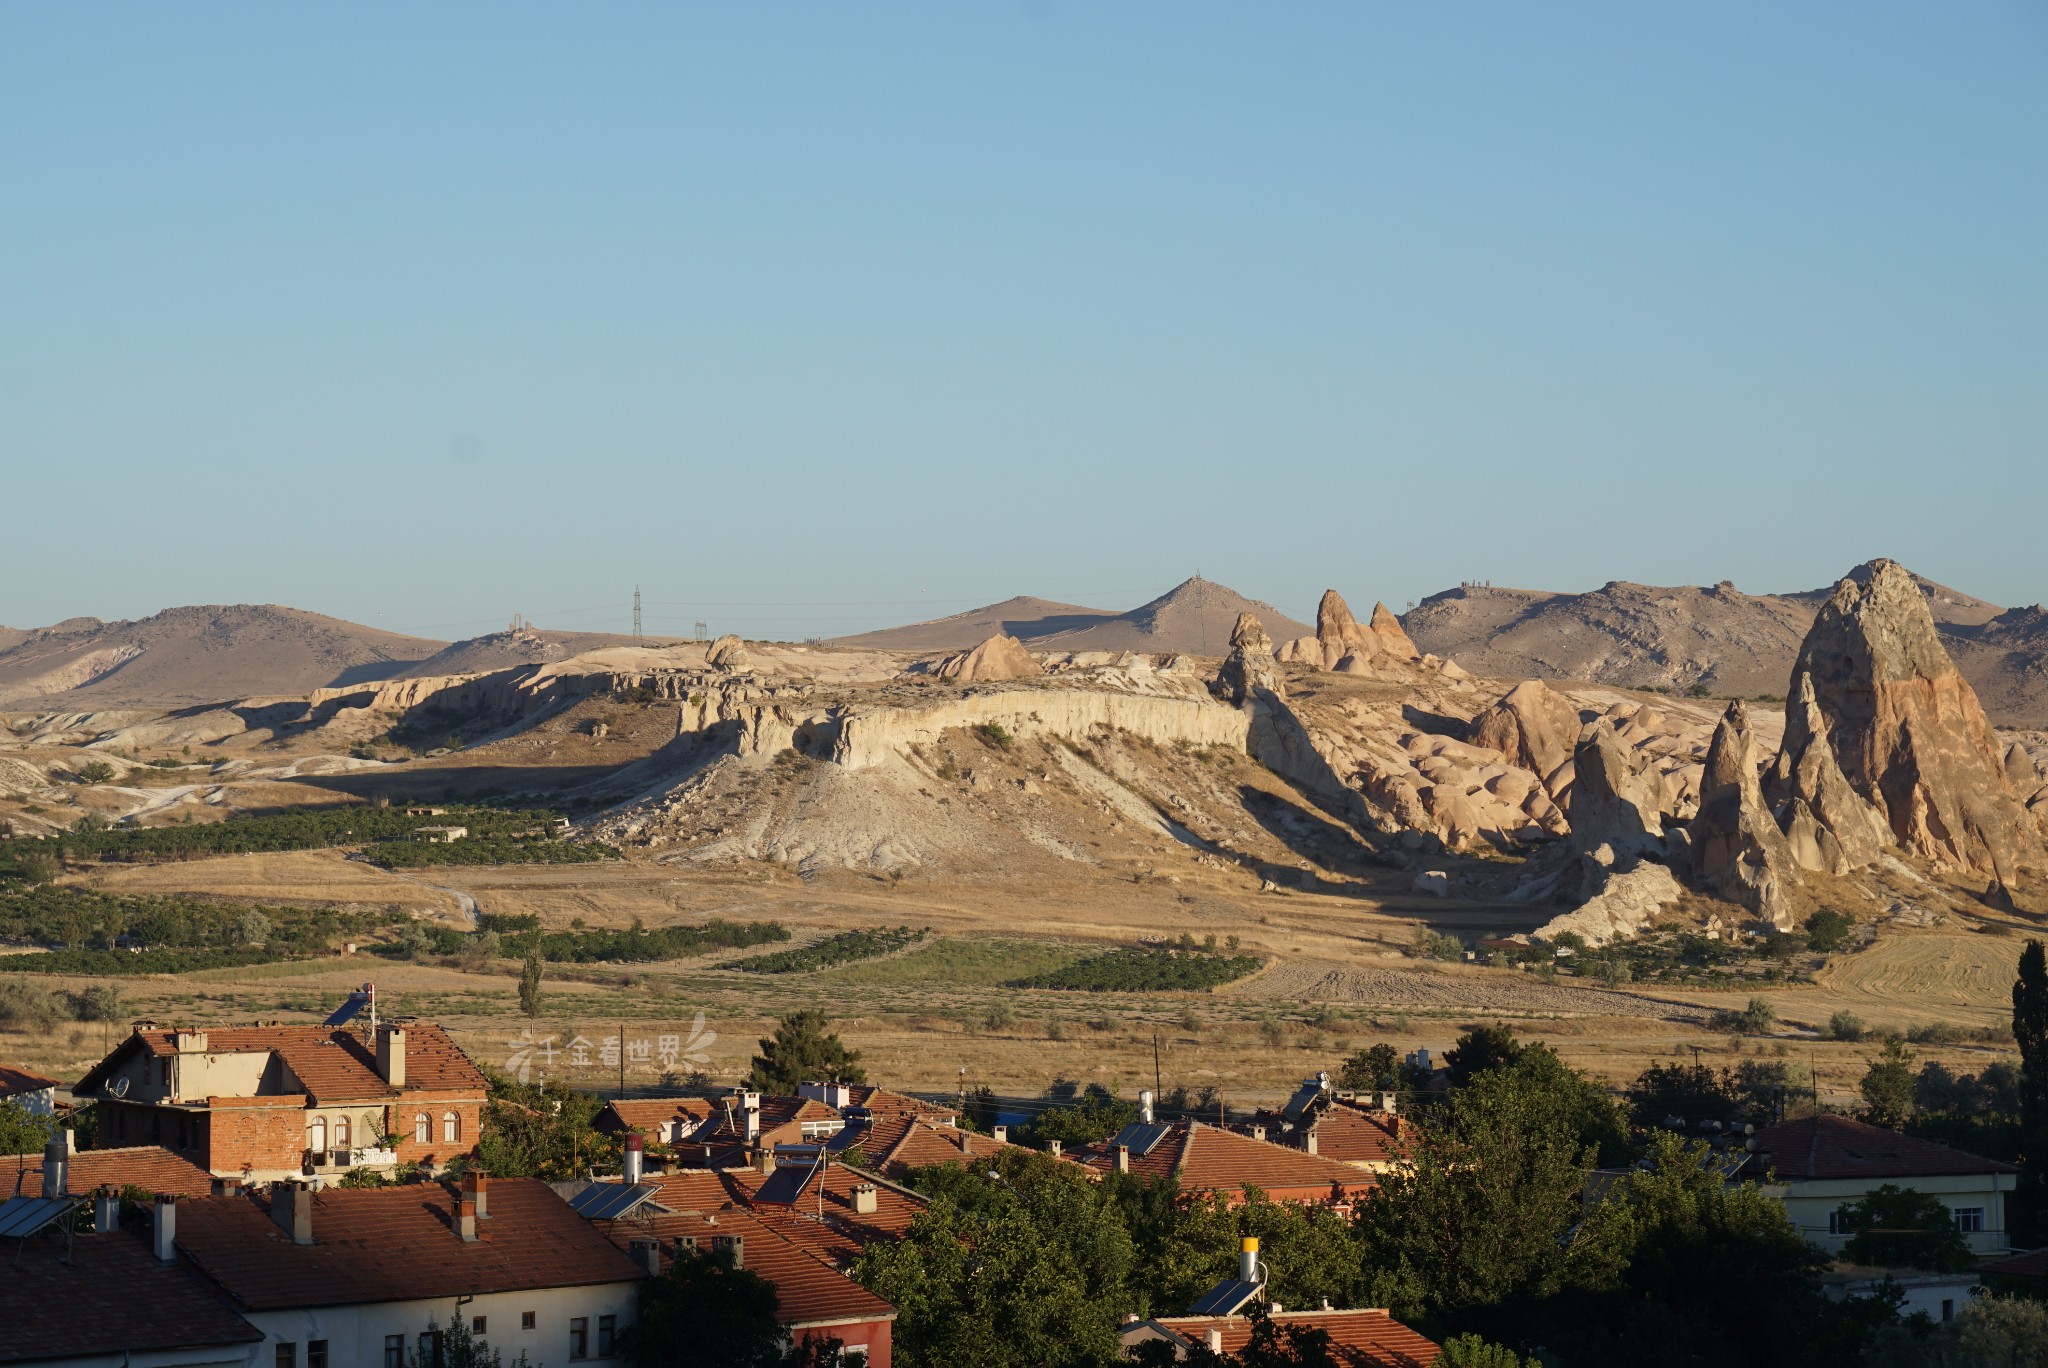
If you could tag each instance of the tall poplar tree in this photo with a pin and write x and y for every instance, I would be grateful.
(2026, 1212)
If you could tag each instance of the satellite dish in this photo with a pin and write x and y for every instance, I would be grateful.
(118, 1088)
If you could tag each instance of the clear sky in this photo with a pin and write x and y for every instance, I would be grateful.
(811, 318)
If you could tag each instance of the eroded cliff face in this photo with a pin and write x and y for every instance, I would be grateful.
(1907, 731)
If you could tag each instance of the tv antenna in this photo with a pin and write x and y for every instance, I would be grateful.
(637, 640)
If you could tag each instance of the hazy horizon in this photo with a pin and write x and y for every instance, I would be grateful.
(811, 321)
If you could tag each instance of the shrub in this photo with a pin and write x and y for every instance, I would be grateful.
(1144, 969)
(27, 1007)
(1845, 1026)
(844, 948)
(1755, 1019)
(1437, 945)
(1828, 930)
(997, 735)
(95, 772)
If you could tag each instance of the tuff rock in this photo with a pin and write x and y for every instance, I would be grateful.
(728, 653)
(1249, 667)
(1534, 727)
(1737, 849)
(999, 657)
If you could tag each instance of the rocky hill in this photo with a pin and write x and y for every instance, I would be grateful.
(1194, 617)
(197, 654)
(518, 646)
(1732, 643)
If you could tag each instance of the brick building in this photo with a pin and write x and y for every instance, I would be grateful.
(267, 1102)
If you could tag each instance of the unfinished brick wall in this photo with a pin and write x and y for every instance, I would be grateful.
(260, 1133)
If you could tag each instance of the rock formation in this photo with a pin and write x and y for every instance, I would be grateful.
(1000, 657)
(1624, 904)
(1613, 803)
(1907, 730)
(1737, 849)
(1343, 643)
(1829, 824)
(1534, 727)
(1249, 666)
(728, 653)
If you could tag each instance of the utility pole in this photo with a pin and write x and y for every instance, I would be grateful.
(962, 1108)
(637, 639)
(622, 1048)
(1158, 1088)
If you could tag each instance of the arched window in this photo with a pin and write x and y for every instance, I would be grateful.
(451, 1128)
(341, 1132)
(422, 1129)
(316, 1134)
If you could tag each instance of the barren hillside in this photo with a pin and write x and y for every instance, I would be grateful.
(1646, 636)
(1195, 616)
(520, 646)
(197, 654)
(1024, 617)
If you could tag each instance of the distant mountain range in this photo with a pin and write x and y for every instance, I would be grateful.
(1629, 635)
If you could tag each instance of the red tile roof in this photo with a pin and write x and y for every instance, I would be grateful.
(882, 1100)
(1358, 1339)
(151, 1167)
(921, 1144)
(654, 1117)
(809, 1291)
(397, 1244)
(2031, 1265)
(830, 1228)
(1828, 1147)
(332, 1063)
(15, 1082)
(1205, 1159)
(107, 1295)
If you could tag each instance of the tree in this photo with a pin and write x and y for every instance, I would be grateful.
(1901, 1228)
(252, 927)
(529, 985)
(453, 1346)
(1491, 1046)
(1094, 1113)
(99, 1002)
(1025, 1268)
(1481, 1218)
(706, 1311)
(1692, 1093)
(37, 867)
(1470, 1351)
(1376, 1068)
(1887, 1086)
(802, 1050)
(22, 1131)
(534, 1130)
(2030, 1032)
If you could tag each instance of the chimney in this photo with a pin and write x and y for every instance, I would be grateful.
(1308, 1140)
(465, 1216)
(56, 1167)
(750, 1104)
(1123, 1158)
(163, 1237)
(863, 1199)
(1056, 1149)
(1215, 1341)
(1248, 1259)
(1388, 1103)
(737, 1244)
(636, 1156)
(767, 1161)
(1145, 1106)
(1258, 1132)
(1001, 1134)
(647, 1253)
(291, 1206)
(106, 1210)
(477, 1188)
(391, 1054)
(190, 1042)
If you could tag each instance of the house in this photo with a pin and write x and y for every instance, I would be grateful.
(1826, 1163)
(895, 1143)
(357, 1277)
(107, 1298)
(1358, 1339)
(31, 1091)
(1206, 1160)
(439, 835)
(266, 1102)
(814, 1300)
(740, 1126)
(835, 1214)
(663, 1120)
(1364, 1130)
(63, 1171)
(1939, 1296)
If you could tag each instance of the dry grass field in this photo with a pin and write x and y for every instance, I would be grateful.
(1340, 976)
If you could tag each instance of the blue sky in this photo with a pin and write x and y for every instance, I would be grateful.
(812, 318)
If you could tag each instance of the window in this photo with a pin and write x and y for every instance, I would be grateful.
(1970, 1220)
(579, 1337)
(316, 1354)
(451, 1128)
(288, 1354)
(341, 1132)
(526, 1320)
(853, 1356)
(605, 1325)
(423, 1129)
(476, 1325)
(430, 1348)
(316, 1134)
(1839, 1222)
(1948, 1309)
(394, 1351)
